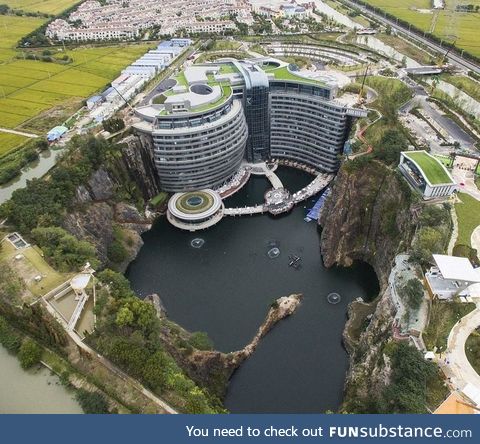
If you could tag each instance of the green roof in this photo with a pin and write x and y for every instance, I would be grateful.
(226, 92)
(431, 167)
(283, 73)
(228, 68)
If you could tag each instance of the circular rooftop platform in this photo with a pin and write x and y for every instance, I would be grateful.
(195, 206)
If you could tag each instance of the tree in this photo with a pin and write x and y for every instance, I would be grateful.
(29, 354)
(433, 216)
(113, 125)
(413, 291)
(390, 145)
(136, 314)
(116, 252)
(407, 390)
(118, 284)
(65, 251)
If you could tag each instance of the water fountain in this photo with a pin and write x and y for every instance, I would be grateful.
(334, 298)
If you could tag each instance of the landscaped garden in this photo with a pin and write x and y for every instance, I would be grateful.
(468, 214)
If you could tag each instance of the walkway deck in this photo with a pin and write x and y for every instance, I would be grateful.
(318, 184)
(242, 211)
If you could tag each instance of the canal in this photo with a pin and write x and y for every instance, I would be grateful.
(226, 287)
(33, 391)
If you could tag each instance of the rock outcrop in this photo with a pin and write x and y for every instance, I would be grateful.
(101, 208)
(213, 369)
(366, 218)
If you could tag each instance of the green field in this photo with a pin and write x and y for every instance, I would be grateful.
(28, 87)
(52, 7)
(448, 25)
(468, 213)
(430, 166)
(12, 29)
(10, 141)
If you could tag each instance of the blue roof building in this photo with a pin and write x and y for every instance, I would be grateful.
(56, 133)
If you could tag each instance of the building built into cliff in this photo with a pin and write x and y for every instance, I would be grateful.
(426, 174)
(216, 116)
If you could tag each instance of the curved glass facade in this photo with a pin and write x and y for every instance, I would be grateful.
(203, 155)
(281, 115)
(306, 126)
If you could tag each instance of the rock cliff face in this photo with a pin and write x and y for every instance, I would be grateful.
(367, 218)
(213, 369)
(101, 205)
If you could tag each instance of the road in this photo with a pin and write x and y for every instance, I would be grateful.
(453, 57)
(420, 98)
(19, 133)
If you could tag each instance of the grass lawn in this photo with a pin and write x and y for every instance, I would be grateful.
(225, 45)
(31, 265)
(443, 316)
(468, 214)
(467, 85)
(430, 166)
(159, 199)
(472, 350)
(284, 74)
(445, 160)
(228, 69)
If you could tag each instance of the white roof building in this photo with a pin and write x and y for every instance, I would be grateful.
(451, 276)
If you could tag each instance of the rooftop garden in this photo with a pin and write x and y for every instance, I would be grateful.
(226, 93)
(283, 73)
(229, 68)
(430, 166)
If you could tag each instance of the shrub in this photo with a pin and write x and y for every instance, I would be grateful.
(413, 291)
(201, 341)
(116, 252)
(29, 354)
(8, 338)
(92, 402)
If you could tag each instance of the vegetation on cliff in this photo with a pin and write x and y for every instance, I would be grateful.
(367, 216)
(407, 389)
(128, 330)
(129, 333)
(371, 216)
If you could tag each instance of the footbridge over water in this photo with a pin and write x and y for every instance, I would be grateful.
(320, 182)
